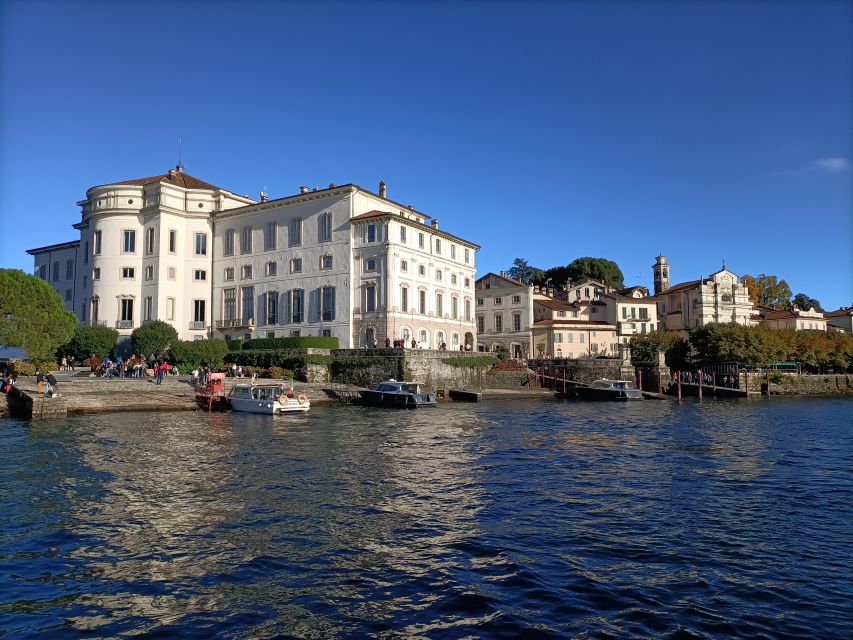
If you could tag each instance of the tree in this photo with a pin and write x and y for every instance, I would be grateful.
(558, 276)
(32, 315)
(806, 303)
(88, 340)
(153, 337)
(601, 269)
(645, 348)
(525, 273)
(767, 290)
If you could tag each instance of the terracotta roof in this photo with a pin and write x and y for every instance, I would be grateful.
(569, 322)
(838, 313)
(557, 305)
(682, 286)
(177, 178)
(511, 281)
(372, 214)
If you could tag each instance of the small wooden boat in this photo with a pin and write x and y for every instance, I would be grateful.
(211, 396)
(270, 399)
(604, 389)
(402, 395)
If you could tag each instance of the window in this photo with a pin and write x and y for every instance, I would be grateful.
(420, 241)
(170, 308)
(422, 302)
(454, 339)
(270, 232)
(467, 283)
(85, 282)
(454, 308)
(229, 273)
(561, 314)
(171, 273)
(453, 279)
(128, 241)
(467, 310)
(582, 338)
(516, 322)
(326, 333)
(371, 233)
(624, 313)
(271, 268)
(228, 249)
(466, 256)
(296, 265)
(516, 299)
(403, 234)
(404, 298)
(593, 310)
(201, 244)
(147, 309)
(295, 232)
(499, 300)
(127, 273)
(453, 252)
(272, 307)
(199, 311)
(149, 240)
(480, 302)
(439, 304)
(149, 272)
(69, 269)
(558, 337)
(328, 304)
(68, 294)
(295, 333)
(404, 265)
(297, 305)
(126, 311)
(229, 304)
(55, 271)
(499, 323)
(421, 270)
(481, 324)
(248, 304)
(246, 272)
(96, 244)
(173, 241)
(246, 240)
(370, 298)
(326, 262)
(570, 338)
(96, 273)
(199, 275)
(438, 246)
(86, 253)
(438, 275)
(324, 227)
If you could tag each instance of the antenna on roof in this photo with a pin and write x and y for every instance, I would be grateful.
(179, 166)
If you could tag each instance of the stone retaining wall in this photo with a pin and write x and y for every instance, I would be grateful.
(803, 384)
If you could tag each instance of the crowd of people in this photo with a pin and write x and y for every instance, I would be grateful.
(706, 379)
(135, 367)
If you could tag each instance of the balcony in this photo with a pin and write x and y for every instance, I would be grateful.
(198, 326)
(94, 323)
(124, 324)
(235, 323)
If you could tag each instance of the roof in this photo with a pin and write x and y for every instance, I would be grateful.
(510, 281)
(838, 313)
(12, 353)
(557, 305)
(371, 215)
(54, 247)
(175, 177)
(619, 297)
(564, 322)
(682, 286)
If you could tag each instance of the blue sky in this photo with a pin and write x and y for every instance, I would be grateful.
(702, 130)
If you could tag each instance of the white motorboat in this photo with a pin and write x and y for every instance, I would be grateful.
(269, 399)
(604, 389)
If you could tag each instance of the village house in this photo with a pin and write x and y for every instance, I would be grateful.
(792, 318)
(840, 319)
(341, 261)
(564, 329)
(504, 313)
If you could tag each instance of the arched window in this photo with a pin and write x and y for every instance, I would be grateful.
(423, 338)
(439, 339)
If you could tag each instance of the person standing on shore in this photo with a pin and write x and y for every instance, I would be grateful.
(156, 372)
(39, 380)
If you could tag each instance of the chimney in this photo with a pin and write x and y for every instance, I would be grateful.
(171, 174)
(383, 189)
(434, 223)
(264, 196)
(303, 189)
(179, 167)
(332, 185)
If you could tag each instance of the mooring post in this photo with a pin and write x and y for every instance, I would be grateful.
(700, 385)
(640, 379)
(678, 378)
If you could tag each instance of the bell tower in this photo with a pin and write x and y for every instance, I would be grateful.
(661, 272)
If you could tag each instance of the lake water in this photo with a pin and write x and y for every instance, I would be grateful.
(509, 519)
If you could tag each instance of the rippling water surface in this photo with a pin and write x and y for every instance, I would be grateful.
(519, 518)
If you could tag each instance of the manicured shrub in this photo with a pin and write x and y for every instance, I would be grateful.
(302, 342)
(191, 353)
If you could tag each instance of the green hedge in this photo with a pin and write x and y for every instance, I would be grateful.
(188, 354)
(285, 358)
(471, 362)
(304, 342)
(234, 345)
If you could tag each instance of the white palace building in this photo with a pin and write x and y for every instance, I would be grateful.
(340, 261)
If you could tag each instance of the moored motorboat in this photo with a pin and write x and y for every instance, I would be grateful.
(399, 394)
(269, 399)
(604, 389)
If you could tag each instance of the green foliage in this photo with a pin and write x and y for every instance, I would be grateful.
(558, 277)
(471, 362)
(645, 348)
(600, 269)
(525, 273)
(19, 368)
(32, 315)
(88, 340)
(188, 354)
(304, 342)
(155, 337)
(767, 290)
(806, 303)
(366, 371)
(234, 345)
(266, 358)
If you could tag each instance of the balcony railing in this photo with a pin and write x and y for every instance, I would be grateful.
(235, 323)
(195, 326)
(124, 324)
(94, 323)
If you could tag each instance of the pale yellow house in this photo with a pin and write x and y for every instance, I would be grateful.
(794, 318)
(572, 329)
